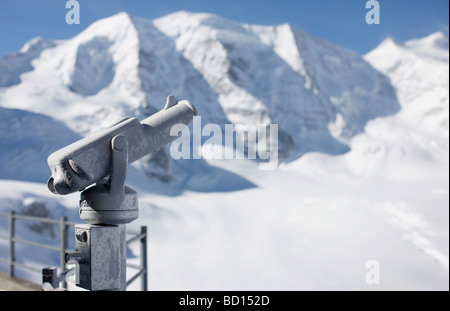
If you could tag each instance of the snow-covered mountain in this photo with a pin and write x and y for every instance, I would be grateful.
(320, 94)
(419, 70)
(26, 138)
(316, 221)
(13, 65)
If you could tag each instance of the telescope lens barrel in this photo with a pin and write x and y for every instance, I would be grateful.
(88, 160)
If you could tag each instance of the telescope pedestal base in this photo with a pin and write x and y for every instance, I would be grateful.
(99, 207)
(101, 257)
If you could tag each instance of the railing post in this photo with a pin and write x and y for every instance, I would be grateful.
(63, 245)
(11, 243)
(144, 258)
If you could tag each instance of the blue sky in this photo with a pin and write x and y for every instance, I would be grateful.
(339, 21)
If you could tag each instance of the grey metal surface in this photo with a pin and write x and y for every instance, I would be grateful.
(50, 276)
(87, 161)
(12, 245)
(13, 240)
(101, 254)
(110, 202)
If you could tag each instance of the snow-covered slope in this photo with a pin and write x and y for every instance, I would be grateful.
(399, 166)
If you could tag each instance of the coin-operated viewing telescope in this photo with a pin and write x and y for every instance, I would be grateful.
(102, 159)
(89, 160)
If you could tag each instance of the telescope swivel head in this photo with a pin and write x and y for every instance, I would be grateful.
(106, 154)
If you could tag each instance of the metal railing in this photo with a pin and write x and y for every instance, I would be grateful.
(142, 238)
(64, 225)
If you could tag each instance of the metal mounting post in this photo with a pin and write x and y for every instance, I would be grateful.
(107, 207)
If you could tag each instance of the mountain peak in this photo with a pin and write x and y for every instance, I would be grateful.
(389, 43)
(438, 39)
(109, 25)
(184, 21)
(37, 43)
(12, 66)
(187, 15)
(435, 46)
(121, 17)
(418, 69)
